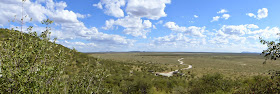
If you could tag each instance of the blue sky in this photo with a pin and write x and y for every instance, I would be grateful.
(151, 25)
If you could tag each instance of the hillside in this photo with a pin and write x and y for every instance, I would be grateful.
(33, 64)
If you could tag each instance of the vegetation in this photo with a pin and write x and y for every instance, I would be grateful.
(32, 63)
(232, 65)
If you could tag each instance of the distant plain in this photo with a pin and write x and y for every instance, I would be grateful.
(233, 65)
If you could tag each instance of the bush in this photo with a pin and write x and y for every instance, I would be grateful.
(32, 64)
(210, 84)
(260, 85)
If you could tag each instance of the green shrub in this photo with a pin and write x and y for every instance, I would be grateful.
(32, 64)
(210, 83)
(260, 85)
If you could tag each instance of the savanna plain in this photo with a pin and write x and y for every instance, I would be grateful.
(234, 65)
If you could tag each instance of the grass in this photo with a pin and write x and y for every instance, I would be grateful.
(228, 64)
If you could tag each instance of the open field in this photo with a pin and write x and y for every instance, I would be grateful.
(229, 64)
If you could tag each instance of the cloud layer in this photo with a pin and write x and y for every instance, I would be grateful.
(140, 24)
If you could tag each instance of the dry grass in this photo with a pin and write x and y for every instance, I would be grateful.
(229, 64)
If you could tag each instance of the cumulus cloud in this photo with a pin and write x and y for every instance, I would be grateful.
(251, 15)
(151, 9)
(253, 26)
(216, 18)
(133, 26)
(234, 29)
(195, 31)
(222, 11)
(192, 30)
(225, 16)
(98, 5)
(11, 8)
(178, 40)
(112, 7)
(219, 40)
(135, 10)
(237, 29)
(195, 16)
(174, 27)
(80, 43)
(267, 33)
(262, 13)
(242, 34)
(233, 33)
(171, 39)
(68, 25)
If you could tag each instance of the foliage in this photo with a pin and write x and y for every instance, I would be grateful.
(273, 49)
(210, 84)
(260, 85)
(31, 63)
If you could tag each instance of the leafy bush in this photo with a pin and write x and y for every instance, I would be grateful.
(210, 83)
(32, 64)
(260, 85)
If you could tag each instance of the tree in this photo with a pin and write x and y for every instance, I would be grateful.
(273, 49)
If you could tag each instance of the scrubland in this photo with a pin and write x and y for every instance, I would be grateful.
(34, 64)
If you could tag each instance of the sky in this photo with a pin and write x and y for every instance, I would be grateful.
(150, 25)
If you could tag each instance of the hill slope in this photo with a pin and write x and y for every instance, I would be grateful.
(31, 63)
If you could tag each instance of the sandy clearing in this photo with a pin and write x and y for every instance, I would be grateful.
(168, 74)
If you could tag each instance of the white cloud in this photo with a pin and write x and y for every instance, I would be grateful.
(216, 18)
(80, 43)
(238, 29)
(11, 8)
(112, 7)
(133, 26)
(262, 13)
(253, 26)
(177, 41)
(232, 34)
(171, 39)
(192, 30)
(219, 40)
(98, 5)
(195, 31)
(174, 27)
(234, 29)
(82, 16)
(251, 15)
(151, 9)
(267, 33)
(68, 27)
(195, 16)
(225, 16)
(222, 11)
(241, 34)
